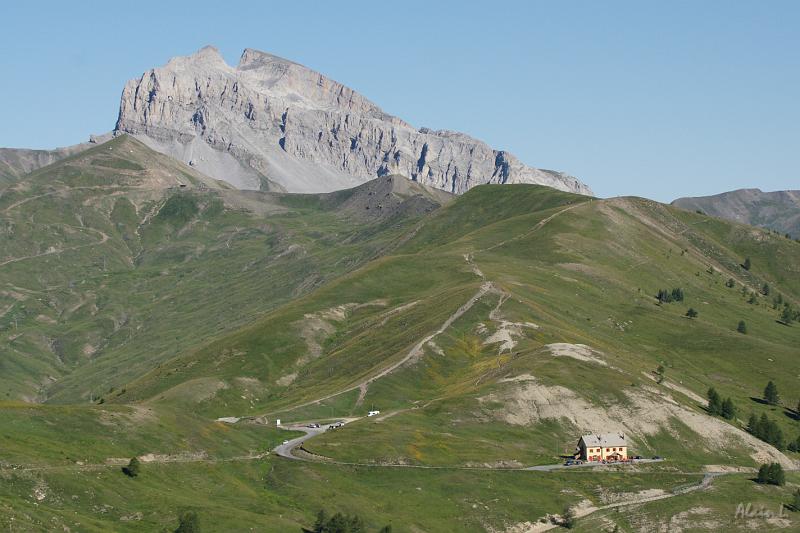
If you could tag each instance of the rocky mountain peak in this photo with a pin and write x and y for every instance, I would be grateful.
(273, 123)
(300, 85)
(206, 57)
(253, 59)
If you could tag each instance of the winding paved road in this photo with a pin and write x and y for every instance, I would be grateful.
(286, 449)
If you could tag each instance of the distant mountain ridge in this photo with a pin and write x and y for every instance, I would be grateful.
(16, 162)
(273, 124)
(778, 210)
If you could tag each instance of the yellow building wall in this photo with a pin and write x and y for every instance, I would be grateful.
(604, 453)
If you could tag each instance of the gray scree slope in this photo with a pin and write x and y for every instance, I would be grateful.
(271, 123)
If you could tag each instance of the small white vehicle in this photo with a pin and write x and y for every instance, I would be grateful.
(373, 413)
(286, 442)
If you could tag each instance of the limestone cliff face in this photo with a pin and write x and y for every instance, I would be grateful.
(269, 122)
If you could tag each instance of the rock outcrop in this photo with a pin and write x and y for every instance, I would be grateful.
(273, 124)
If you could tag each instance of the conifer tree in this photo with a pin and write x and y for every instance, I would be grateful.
(776, 475)
(762, 429)
(188, 523)
(763, 474)
(728, 410)
(714, 403)
(771, 393)
(752, 424)
(569, 518)
(132, 470)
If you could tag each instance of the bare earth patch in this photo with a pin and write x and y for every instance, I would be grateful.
(581, 352)
(694, 519)
(435, 347)
(607, 496)
(648, 411)
(316, 327)
(678, 388)
(506, 331)
(729, 469)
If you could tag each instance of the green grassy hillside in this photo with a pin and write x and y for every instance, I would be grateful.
(118, 259)
(562, 316)
(491, 333)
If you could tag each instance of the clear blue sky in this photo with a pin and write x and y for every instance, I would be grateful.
(657, 99)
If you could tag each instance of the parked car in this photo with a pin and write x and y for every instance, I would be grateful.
(657, 457)
(286, 442)
(637, 456)
(569, 462)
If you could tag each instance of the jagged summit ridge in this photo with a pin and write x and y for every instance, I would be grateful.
(272, 123)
